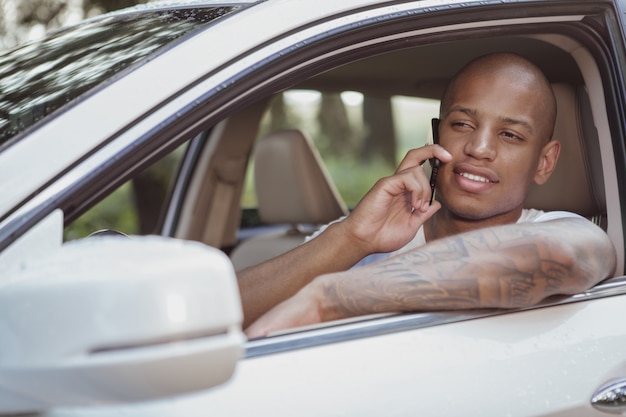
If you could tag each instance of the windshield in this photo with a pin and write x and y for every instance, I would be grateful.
(40, 77)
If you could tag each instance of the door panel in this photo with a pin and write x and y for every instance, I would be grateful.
(543, 362)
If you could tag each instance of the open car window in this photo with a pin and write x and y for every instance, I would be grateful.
(360, 138)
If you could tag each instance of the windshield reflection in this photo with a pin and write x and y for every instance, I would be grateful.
(40, 77)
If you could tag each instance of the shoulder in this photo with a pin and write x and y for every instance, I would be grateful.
(537, 216)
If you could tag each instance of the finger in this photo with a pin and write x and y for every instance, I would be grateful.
(418, 156)
(415, 181)
(422, 216)
(263, 326)
(420, 194)
(411, 184)
(255, 331)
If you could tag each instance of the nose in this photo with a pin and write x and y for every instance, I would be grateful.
(481, 144)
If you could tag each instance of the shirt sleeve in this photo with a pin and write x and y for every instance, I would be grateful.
(321, 229)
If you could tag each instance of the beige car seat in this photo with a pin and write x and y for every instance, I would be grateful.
(577, 184)
(293, 188)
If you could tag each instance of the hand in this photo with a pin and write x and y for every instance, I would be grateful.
(300, 310)
(390, 214)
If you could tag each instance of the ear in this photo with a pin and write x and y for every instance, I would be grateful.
(547, 161)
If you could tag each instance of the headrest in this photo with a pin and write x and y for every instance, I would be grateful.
(577, 183)
(291, 182)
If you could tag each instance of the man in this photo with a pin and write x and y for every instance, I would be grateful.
(476, 247)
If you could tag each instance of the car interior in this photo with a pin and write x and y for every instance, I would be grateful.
(293, 186)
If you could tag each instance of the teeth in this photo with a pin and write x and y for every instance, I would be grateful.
(473, 177)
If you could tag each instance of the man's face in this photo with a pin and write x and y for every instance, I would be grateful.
(495, 129)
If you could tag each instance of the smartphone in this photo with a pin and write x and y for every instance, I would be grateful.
(434, 162)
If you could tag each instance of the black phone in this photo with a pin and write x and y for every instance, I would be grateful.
(434, 162)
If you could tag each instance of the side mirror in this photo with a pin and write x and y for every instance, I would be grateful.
(111, 320)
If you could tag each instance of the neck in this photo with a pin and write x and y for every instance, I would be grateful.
(445, 223)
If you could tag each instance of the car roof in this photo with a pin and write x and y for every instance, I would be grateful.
(414, 72)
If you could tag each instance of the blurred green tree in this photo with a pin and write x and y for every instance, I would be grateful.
(110, 5)
(22, 20)
(380, 140)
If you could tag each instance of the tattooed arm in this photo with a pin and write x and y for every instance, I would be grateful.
(382, 222)
(499, 267)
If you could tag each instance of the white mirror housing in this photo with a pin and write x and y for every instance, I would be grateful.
(108, 320)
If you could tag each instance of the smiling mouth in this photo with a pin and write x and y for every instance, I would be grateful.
(473, 177)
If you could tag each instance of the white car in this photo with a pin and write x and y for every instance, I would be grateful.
(142, 326)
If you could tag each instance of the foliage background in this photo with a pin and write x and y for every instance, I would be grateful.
(23, 20)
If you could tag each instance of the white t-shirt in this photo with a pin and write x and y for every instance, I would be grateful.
(528, 216)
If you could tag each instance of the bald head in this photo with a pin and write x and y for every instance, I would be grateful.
(514, 69)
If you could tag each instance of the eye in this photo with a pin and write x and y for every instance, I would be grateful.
(510, 136)
(461, 125)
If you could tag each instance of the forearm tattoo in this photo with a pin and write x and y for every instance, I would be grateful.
(488, 268)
